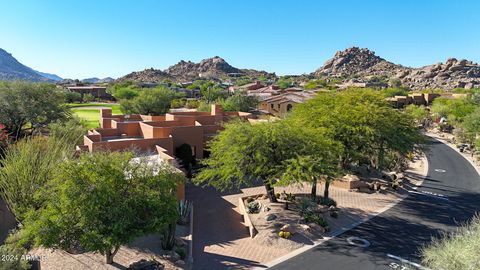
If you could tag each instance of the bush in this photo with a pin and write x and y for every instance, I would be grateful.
(72, 97)
(285, 235)
(182, 252)
(316, 218)
(192, 104)
(125, 93)
(331, 202)
(88, 98)
(253, 207)
(289, 197)
(177, 103)
(11, 259)
(306, 206)
(155, 101)
(204, 106)
(457, 250)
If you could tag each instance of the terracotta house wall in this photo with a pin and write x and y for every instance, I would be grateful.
(107, 132)
(129, 128)
(189, 135)
(153, 118)
(148, 145)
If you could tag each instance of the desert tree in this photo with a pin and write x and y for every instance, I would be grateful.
(102, 201)
(244, 154)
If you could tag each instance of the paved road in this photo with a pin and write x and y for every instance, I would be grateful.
(449, 195)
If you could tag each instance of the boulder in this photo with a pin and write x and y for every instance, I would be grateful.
(289, 228)
(146, 265)
(270, 217)
(180, 262)
(350, 177)
(469, 85)
(174, 256)
(315, 227)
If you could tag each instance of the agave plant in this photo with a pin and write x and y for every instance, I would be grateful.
(184, 209)
(168, 237)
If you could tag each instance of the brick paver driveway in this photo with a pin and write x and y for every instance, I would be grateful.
(216, 225)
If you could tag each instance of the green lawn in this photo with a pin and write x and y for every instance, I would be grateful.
(91, 116)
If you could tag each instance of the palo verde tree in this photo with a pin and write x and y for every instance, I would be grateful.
(102, 201)
(243, 154)
(363, 122)
(26, 107)
(240, 101)
(318, 159)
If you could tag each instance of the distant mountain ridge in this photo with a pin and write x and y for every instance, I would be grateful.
(97, 80)
(351, 64)
(362, 64)
(50, 76)
(12, 69)
(212, 68)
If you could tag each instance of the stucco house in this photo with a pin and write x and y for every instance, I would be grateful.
(158, 136)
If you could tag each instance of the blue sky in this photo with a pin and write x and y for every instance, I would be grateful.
(79, 39)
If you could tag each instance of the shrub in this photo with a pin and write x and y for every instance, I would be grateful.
(306, 206)
(285, 235)
(253, 207)
(289, 197)
(88, 98)
(72, 97)
(316, 218)
(330, 202)
(11, 258)
(457, 250)
(192, 104)
(177, 103)
(395, 184)
(334, 214)
(182, 252)
(168, 237)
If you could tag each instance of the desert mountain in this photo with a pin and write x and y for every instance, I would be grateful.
(362, 64)
(11, 69)
(98, 80)
(212, 68)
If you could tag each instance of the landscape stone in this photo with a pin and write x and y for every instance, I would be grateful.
(146, 265)
(270, 217)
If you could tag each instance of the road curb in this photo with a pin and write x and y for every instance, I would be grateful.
(344, 229)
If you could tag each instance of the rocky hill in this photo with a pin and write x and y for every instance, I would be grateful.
(11, 69)
(362, 64)
(147, 75)
(211, 68)
(98, 80)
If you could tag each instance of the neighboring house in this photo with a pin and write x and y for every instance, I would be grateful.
(189, 93)
(158, 135)
(246, 87)
(96, 91)
(265, 92)
(280, 105)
